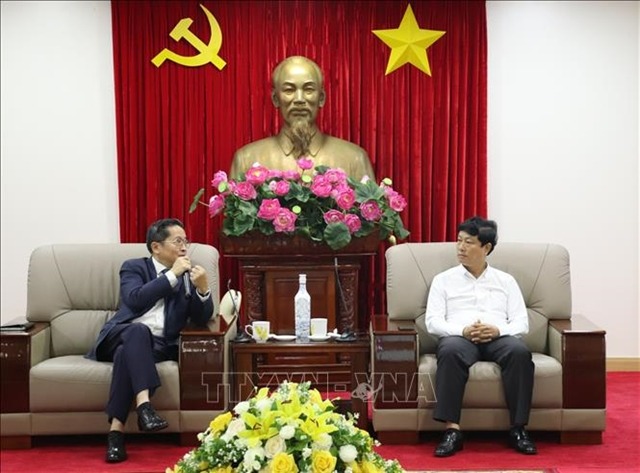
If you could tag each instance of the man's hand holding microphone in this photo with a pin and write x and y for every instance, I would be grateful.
(196, 274)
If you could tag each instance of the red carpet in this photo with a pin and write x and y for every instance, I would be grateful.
(482, 451)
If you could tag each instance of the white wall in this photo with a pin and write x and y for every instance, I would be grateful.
(563, 141)
(563, 146)
(58, 134)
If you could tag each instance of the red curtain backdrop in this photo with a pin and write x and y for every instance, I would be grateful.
(177, 125)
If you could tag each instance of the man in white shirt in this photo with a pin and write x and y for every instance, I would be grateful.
(158, 295)
(478, 314)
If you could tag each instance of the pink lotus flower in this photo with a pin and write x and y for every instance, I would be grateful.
(216, 204)
(333, 216)
(274, 173)
(280, 188)
(396, 201)
(321, 186)
(346, 199)
(269, 209)
(218, 178)
(352, 222)
(285, 221)
(336, 176)
(245, 190)
(370, 210)
(257, 174)
(291, 175)
(305, 163)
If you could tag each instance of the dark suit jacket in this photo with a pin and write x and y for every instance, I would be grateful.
(140, 289)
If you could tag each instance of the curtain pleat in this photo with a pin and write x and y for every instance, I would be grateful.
(176, 125)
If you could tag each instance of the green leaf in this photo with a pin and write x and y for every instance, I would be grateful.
(337, 235)
(297, 192)
(368, 191)
(400, 231)
(246, 209)
(196, 199)
(243, 224)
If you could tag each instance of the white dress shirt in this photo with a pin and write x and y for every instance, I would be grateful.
(457, 299)
(154, 317)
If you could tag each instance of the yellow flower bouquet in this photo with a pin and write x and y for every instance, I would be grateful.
(290, 430)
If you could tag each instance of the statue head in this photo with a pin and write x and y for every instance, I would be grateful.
(298, 91)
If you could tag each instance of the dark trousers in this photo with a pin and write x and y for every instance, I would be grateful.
(134, 352)
(456, 354)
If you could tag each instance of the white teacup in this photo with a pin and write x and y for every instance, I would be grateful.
(259, 330)
(318, 327)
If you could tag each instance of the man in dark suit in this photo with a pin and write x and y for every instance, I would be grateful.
(158, 295)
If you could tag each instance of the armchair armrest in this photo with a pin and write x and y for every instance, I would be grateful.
(583, 358)
(204, 365)
(394, 365)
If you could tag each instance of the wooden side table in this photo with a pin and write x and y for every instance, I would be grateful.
(251, 369)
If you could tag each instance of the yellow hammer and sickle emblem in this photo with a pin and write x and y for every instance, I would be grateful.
(208, 52)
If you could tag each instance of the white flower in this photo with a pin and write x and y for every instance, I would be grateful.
(274, 445)
(252, 458)
(348, 453)
(241, 407)
(287, 432)
(234, 427)
(200, 436)
(264, 404)
(241, 443)
(306, 452)
(324, 442)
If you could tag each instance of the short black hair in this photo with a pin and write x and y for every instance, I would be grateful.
(485, 230)
(159, 230)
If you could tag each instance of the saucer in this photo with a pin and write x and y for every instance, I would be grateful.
(319, 338)
(283, 338)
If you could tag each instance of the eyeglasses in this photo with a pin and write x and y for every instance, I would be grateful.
(179, 242)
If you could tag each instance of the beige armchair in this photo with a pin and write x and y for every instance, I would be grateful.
(568, 351)
(48, 387)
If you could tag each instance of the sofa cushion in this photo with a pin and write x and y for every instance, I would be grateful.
(74, 383)
(76, 331)
(484, 388)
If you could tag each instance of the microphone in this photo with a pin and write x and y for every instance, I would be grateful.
(241, 335)
(187, 285)
(232, 293)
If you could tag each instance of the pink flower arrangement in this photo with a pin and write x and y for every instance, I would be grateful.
(323, 204)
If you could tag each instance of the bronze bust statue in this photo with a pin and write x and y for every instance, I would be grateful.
(298, 91)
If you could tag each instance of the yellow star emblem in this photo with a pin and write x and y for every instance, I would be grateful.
(408, 43)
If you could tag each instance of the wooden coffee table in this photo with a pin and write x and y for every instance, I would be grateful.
(346, 373)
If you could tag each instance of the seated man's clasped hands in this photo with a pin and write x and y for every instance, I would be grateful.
(158, 295)
(478, 314)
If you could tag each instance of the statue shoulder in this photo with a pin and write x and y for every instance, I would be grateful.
(344, 147)
(264, 151)
(256, 148)
(348, 156)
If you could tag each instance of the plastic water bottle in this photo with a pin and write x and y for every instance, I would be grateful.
(302, 310)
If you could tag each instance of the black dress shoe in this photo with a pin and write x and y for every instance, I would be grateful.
(520, 441)
(451, 443)
(116, 452)
(148, 419)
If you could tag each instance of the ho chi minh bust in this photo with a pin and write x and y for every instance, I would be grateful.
(298, 91)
